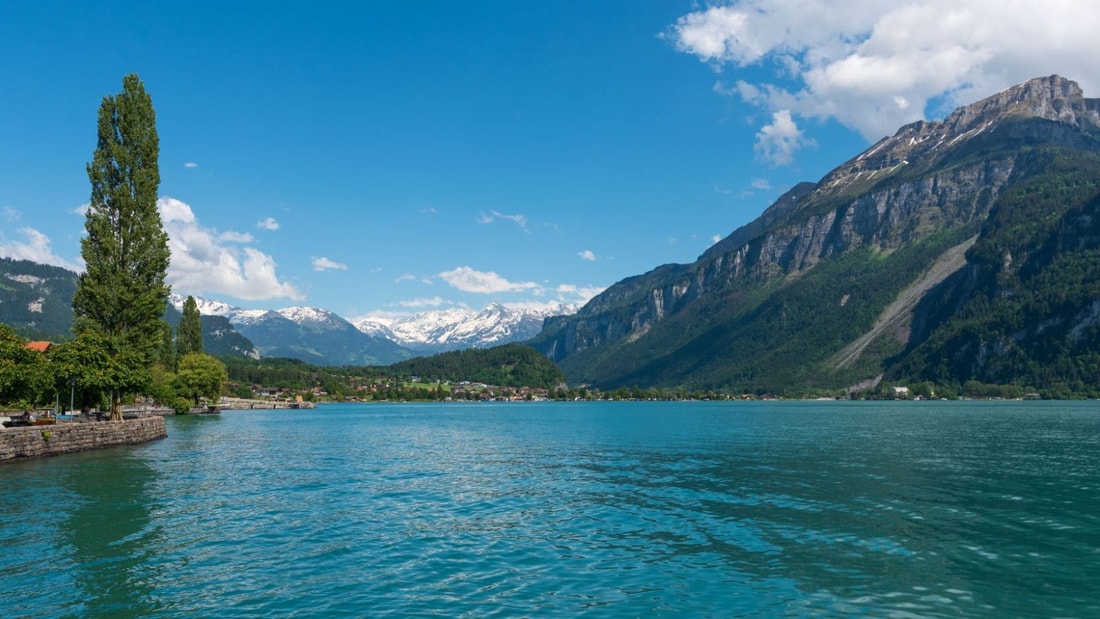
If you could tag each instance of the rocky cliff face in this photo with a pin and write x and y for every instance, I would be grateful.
(928, 182)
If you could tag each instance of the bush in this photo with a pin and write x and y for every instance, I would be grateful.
(181, 405)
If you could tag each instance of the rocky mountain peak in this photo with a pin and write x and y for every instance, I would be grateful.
(1053, 98)
(884, 266)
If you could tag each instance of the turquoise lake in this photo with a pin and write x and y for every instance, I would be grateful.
(632, 509)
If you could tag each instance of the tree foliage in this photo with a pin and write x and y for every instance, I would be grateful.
(166, 354)
(120, 298)
(97, 367)
(200, 376)
(189, 333)
(1025, 313)
(25, 376)
(511, 365)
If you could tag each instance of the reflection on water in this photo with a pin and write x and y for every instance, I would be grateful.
(78, 536)
(110, 535)
(626, 509)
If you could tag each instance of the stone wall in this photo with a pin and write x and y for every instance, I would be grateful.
(59, 438)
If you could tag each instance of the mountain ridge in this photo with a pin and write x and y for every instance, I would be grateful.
(770, 304)
(459, 328)
(421, 333)
(36, 300)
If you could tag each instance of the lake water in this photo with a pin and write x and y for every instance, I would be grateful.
(908, 509)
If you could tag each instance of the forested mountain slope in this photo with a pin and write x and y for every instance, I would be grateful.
(953, 251)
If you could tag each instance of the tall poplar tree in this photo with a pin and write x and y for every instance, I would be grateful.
(167, 352)
(189, 333)
(120, 297)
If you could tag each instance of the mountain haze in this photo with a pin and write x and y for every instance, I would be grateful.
(958, 250)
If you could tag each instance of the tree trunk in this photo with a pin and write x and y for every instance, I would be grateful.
(116, 405)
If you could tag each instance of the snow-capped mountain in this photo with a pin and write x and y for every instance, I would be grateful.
(457, 328)
(206, 306)
(239, 316)
(320, 336)
(312, 316)
(308, 333)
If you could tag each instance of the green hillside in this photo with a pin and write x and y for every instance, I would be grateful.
(511, 365)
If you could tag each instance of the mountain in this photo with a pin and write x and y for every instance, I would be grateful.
(313, 335)
(457, 329)
(954, 251)
(425, 333)
(36, 299)
(219, 338)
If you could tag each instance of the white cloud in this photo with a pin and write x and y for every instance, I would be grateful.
(35, 248)
(407, 277)
(761, 184)
(82, 210)
(570, 293)
(268, 223)
(12, 214)
(236, 237)
(432, 302)
(715, 238)
(587, 255)
(491, 216)
(190, 165)
(778, 142)
(175, 213)
(875, 65)
(324, 264)
(202, 263)
(467, 279)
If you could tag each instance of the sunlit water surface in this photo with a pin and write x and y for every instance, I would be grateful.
(910, 509)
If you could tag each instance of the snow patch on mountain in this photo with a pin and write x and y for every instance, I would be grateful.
(206, 306)
(424, 332)
(311, 316)
(457, 328)
(250, 317)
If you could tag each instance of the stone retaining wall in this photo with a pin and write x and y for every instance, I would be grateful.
(59, 438)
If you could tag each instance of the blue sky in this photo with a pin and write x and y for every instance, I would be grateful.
(398, 157)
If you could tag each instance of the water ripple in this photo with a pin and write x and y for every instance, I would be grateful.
(594, 509)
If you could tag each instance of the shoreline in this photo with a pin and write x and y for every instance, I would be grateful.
(25, 442)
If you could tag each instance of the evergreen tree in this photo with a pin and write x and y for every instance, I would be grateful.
(167, 352)
(121, 295)
(189, 333)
